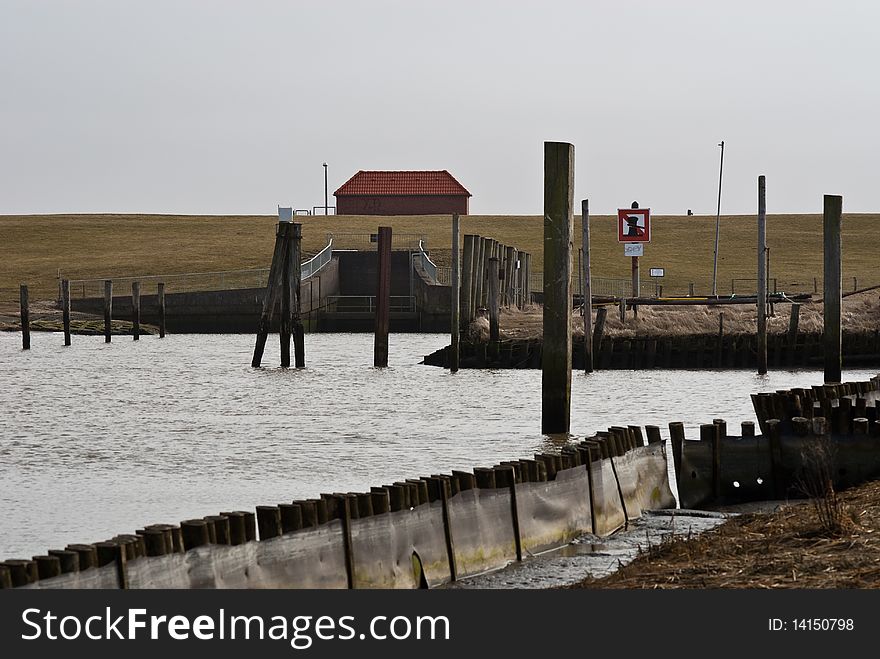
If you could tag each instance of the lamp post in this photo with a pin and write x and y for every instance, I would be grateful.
(717, 225)
(325, 189)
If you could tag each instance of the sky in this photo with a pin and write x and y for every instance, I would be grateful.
(218, 107)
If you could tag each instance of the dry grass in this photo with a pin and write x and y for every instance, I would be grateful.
(34, 248)
(860, 313)
(785, 549)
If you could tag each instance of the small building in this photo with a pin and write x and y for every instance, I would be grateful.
(402, 193)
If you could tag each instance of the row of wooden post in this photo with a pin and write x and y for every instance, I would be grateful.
(514, 271)
(24, 301)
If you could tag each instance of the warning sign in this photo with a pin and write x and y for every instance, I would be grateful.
(634, 225)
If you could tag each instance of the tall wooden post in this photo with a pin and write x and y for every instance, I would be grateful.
(65, 309)
(509, 273)
(273, 287)
(527, 281)
(588, 287)
(556, 362)
(762, 277)
(25, 317)
(383, 299)
(136, 309)
(467, 281)
(833, 292)
(494, 281)
(455, 320)
(480, 274)
(108, 309)
(287, 302)
(299, 341)
(160, 293)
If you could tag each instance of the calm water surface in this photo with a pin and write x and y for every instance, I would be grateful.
(98, 439)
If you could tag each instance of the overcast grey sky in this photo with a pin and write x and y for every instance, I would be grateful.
(214, 107)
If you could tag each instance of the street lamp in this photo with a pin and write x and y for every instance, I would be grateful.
(325, 189)
(717, 225)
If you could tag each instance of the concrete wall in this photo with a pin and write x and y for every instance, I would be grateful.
(401, 205)
(217, 312)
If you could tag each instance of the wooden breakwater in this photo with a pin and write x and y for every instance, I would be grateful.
(827, 435)
(703, 351)
(420, 532)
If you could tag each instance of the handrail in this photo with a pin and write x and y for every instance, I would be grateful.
(317, 262)
(427, 264)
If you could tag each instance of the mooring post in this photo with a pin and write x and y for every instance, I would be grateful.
(833, 292)
(509, 272)
(25, 317)
(556, 359)
(588, 287)
(273, 287)
(108, 310)
(287, 303)
(479, 272)
(527, 281)
(598, 333)
(494, 282)
(160, 294)
(65, 309)
(467, 282)
(383, 298)
(136, 309)
(299, 340)
(762, 277)
(793, 331)
(455, 307)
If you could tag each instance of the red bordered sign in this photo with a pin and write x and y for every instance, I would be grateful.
(634, 225)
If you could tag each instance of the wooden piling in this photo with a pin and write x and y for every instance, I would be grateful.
(268, 522)
(494, 282)
(622, 309)
(748, 429)
(465, 314)
(136, 310)
(455, 307)
(88, 555)
(762, 277)
(588, 286)
(67, 558)
(527, 281)
(108, 310)
(598, 334)
(160, 295)
(25, 317)
(833, 293)
(299, 340)
(676, 437)
(653, 433)
(383, 299)
(556, 360)
(195, 533)
(286, 300)
(65, 309)
(273, 289)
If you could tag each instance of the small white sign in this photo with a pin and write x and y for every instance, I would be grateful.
(633, 249)
(657, 272)
(285, 214)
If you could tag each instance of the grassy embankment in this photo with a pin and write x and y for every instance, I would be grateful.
(34, 248)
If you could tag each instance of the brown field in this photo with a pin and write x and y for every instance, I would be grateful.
(34, 248)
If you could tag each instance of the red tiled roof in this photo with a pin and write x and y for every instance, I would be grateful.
(402, 183)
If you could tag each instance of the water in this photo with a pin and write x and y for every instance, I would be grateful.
(97, 440)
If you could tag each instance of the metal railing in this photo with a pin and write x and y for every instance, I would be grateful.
(317, 262)
(189, 282)
(367, 303)
(425, 261)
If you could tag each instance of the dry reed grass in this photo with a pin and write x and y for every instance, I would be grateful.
(784, 549)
